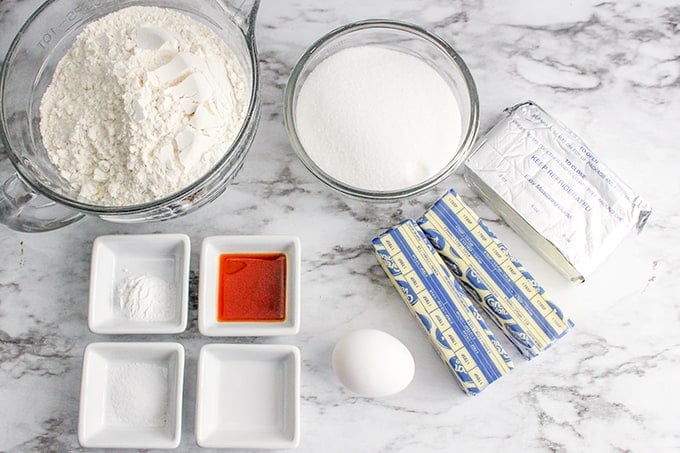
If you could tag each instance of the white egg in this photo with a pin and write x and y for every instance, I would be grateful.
(373, 363)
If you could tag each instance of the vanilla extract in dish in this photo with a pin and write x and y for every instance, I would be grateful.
(252, 287)
(378, 119)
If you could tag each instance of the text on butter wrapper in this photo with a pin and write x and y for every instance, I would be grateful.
(499, 283)
(452, 323)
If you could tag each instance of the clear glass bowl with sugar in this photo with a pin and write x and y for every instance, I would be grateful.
(406, 39)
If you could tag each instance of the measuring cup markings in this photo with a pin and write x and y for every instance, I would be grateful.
(70, 17)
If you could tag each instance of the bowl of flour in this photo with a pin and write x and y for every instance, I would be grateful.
(134, 112)
(381, 110)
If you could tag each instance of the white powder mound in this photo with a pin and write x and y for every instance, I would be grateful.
(145, 102)
(378, 119)
(138, 394)
(147, 298)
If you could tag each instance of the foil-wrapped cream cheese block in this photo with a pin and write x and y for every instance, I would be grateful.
(554, 191)
(452, 323)
(498, 282)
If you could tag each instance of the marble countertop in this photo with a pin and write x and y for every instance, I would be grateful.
(609, 70)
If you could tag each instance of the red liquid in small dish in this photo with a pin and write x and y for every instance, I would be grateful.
(252, 287)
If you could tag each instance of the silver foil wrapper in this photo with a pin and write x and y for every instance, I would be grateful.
(554, 191)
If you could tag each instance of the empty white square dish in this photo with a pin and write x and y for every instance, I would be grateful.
(131, 395)
(117, 260)
(209, 285)
(248, 396)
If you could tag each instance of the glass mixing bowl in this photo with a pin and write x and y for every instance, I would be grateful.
(401, 37)
(36, 197)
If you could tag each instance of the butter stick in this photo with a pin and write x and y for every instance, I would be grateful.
(507, 292)
(453, 325)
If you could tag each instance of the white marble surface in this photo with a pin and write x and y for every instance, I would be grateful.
(610, 70)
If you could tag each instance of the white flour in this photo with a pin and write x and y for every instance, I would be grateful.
(147, 298)
(145, 102)
(378, 119)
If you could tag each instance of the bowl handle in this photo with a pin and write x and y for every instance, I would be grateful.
(244, 16)
(21, 209)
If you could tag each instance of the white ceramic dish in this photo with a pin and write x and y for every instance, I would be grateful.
(248, 396)
(208, 288)
(101, 423)
(118, 257)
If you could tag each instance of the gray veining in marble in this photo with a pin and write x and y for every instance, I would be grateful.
(609, 70)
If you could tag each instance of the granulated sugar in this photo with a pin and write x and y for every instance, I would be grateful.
(378, 119)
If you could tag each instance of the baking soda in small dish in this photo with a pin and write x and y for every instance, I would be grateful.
(138, 394)
(147, 298)
(378, 119)
(139, 284)
(131, 395)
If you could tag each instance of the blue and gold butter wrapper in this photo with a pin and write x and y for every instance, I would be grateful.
(452, 323)
(490, 274)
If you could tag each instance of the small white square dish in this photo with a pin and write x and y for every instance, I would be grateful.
(249, 286)
(131, 395)
(139, 284)
(248, 396)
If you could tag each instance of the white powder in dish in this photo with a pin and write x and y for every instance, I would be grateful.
(138, 394)
(145, 102)
(147, 298)
(378, 119)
